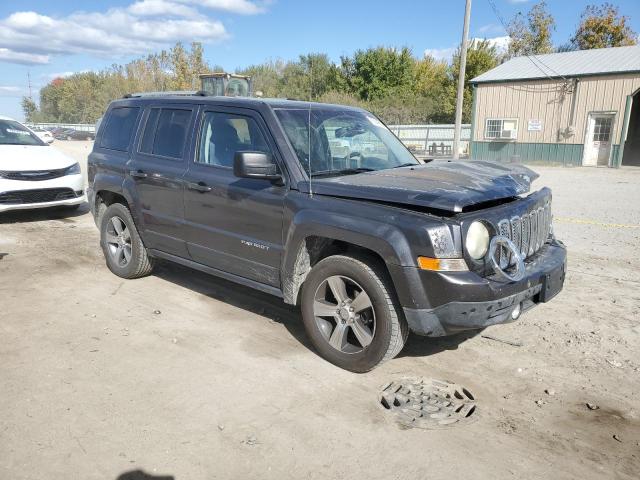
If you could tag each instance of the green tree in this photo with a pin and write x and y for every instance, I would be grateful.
(481, 56)
(531, 35)
(30, 109)
(266, 77)
(602, 27)
(430, 77)
(378, 72)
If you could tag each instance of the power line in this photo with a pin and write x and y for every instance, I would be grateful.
(530, 57)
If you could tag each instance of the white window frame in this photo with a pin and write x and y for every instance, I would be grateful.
(502, 120)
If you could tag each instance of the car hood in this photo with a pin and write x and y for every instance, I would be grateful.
(32, 157)
(440, 185)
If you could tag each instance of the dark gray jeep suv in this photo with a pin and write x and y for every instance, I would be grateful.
(322, 206)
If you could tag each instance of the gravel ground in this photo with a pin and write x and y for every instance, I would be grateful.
(190, 377)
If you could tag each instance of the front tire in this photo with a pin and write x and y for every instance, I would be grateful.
(350, 313)
(121, 244)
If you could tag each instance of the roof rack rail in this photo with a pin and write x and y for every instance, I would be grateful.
(181, 93)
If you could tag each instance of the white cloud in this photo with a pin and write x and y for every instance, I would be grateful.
(243, 7)
(23, 58)
(152, 8)
(141, 27)
(501, 43)
(491, 28)
(440, 53)
(11, 91)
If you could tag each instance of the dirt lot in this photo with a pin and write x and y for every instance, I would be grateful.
(221, 383)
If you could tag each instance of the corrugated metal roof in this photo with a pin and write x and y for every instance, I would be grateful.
(567, 64)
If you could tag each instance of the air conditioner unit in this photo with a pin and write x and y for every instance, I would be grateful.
(511, 134)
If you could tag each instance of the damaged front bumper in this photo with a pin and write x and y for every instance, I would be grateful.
(456, 301)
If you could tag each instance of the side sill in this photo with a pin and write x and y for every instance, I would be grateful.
(218, 273)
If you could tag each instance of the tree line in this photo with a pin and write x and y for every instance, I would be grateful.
(391, 82)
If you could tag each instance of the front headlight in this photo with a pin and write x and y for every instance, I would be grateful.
(73, 169)
(477, 241)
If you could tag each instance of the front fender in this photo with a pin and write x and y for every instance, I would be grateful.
(382, 238)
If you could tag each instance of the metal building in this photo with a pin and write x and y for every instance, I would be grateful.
(572, 108)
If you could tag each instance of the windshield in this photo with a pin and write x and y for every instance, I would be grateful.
(14, 133)
(342, 141)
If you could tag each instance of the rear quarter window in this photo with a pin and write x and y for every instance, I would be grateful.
(165, 133)
(119, 128)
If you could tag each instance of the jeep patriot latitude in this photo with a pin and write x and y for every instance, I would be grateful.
(322, 206)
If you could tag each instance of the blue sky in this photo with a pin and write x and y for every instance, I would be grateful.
(52, 38)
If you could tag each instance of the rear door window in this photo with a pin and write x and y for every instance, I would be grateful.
(165, 133)
(119, 128)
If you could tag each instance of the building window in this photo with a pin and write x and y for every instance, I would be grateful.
(503, 128)
(602, 129)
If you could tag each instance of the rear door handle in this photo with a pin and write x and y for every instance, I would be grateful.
(138, 174)
(199, 187)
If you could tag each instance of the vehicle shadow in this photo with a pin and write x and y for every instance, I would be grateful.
(43, 214)
(246, 298)
(274, 309)
(418, 346)
(141, 475)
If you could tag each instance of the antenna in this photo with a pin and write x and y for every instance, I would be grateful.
(309, 151)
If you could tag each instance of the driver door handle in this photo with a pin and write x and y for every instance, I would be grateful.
(137, 174)
(199, 187)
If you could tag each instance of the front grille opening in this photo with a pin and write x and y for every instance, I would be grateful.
(43, 195)
(33, 175)
(528, 232)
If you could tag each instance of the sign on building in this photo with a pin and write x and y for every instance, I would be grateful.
(534, 125)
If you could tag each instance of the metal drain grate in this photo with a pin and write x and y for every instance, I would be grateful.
(428, 403)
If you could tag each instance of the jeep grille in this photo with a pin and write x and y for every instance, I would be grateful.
(528, 232)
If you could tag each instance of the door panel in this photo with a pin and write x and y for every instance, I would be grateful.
(158, 168)
(597, 146)
(233, 224)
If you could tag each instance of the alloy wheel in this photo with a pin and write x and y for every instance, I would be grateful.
(344, 314)
(118, 239)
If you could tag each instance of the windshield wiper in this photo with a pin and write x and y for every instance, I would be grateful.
(407, 165)
(344, 171)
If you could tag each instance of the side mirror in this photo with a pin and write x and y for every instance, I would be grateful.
(255, 165)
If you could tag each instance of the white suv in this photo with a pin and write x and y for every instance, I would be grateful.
(33, 174)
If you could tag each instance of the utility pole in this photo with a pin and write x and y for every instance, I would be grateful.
(463, 66)
(29, 80)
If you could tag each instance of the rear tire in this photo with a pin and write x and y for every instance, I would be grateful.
(359, 337)
(125, 254)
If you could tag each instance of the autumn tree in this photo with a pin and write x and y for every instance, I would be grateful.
(531, 34)
(391, 82)
(602, 27)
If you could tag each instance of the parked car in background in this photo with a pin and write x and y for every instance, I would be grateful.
(33, 174)
(73, 134)
(370, 243)
(63, 133)
(82, 135)
(44, 135)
